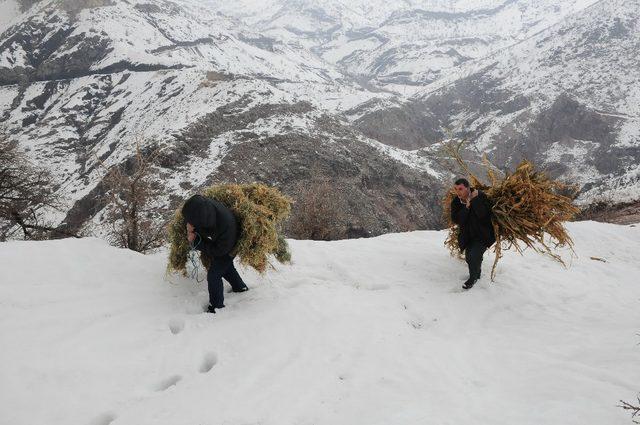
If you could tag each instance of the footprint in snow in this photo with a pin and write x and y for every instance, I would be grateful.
(370, 286)
(104, 419)
(416, 323)
(168, 382)
(209, 361)
(176, 325)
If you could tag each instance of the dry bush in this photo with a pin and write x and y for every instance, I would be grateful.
(597, 211)
(212, 78)
(25, 191)
(317, 211)
(130, 191)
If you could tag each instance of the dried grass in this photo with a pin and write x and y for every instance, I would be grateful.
(260, 210)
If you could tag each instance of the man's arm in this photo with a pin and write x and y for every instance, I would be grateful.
(481, 205)
(211, 248)
(205, 244)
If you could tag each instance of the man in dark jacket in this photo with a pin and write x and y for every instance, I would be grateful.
(213, 229)
(471, 211)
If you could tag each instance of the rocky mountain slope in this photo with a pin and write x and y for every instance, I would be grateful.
(566, 98)
(93, 83)
(293, 92)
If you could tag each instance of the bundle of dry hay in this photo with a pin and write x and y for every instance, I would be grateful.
(260, 210)
(527, 205)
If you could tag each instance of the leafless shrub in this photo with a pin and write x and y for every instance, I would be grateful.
(130, 191)
(25, 192)
(316, 211)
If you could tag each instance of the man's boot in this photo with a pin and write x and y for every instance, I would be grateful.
(469, 283)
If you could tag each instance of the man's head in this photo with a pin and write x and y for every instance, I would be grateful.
(196, 211)
(461, 186)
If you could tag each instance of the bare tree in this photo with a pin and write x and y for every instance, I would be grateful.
(130, 191)
(25, 191)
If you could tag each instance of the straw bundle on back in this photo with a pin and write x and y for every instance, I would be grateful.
(260, 210)
(527, 205)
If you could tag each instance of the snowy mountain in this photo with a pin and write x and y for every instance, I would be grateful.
(412, 42)
(367, 331)
(566, 98)
(286, 92)
(91, 83)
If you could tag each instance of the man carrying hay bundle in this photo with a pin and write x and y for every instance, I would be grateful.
(228, 221)
(471, 211)
(213, 229)
(521, 209)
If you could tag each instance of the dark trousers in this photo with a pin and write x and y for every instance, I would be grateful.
(222, 267)
(473, 255)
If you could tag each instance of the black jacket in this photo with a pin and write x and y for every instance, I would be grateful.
(474, 223)
(214, 222)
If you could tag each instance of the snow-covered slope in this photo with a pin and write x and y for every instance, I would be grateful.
(368, 331)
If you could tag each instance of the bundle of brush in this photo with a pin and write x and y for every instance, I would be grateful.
(529, 210)
(260, 210)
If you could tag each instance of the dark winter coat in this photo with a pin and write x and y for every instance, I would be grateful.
(474, 223)
(214, 222)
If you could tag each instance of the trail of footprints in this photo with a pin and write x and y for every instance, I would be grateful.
(209, 360)
(176, 326)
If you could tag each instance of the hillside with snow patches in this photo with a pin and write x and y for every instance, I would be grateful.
(365, 331)
(291, 92)
(224, 106)
(566, 98)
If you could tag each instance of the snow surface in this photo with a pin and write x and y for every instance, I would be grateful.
(369, 331)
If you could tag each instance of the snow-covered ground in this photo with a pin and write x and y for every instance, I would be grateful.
(369, 331)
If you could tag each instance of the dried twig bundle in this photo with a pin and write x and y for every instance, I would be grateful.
(529, 210)
(527, 205)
